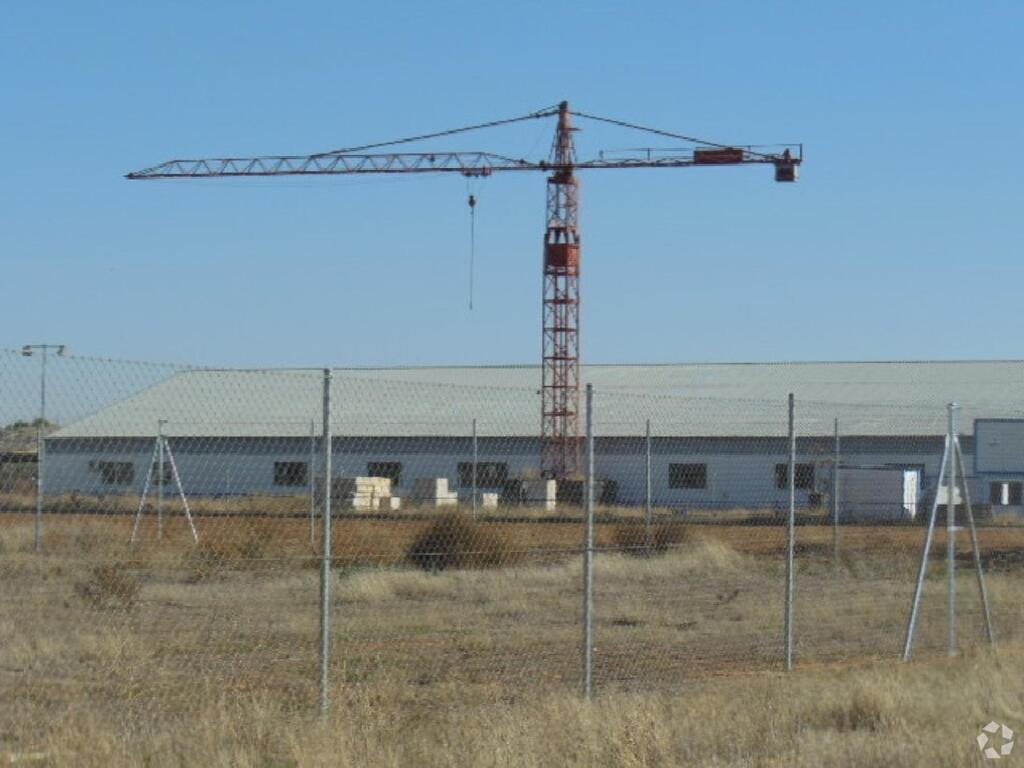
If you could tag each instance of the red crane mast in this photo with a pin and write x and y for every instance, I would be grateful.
(560, 377)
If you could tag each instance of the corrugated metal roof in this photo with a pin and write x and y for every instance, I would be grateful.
(877, 398)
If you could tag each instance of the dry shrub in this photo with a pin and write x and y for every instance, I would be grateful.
(108, 586)
(456, 541)
(210, 558)
(709, 556)
(865, 710)
(221, 550)
(634, 539)
(252, 547)
(206, 561)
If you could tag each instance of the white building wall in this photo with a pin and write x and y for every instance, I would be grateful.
(240, 472)
(734, 478)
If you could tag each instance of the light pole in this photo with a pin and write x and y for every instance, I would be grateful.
(28, 351)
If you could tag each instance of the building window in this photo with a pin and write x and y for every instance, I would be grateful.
(1006, 493)
(687, 475)
(804, 479)
(291, 473)
(154, 472)
(489, 474)
(392, 470)
(116, 472)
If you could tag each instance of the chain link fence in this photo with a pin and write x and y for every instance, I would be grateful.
(162, 529)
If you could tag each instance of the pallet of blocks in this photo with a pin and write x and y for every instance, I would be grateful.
(433, 491)
(364, 494)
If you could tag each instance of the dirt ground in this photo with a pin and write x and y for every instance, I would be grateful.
(143, 634)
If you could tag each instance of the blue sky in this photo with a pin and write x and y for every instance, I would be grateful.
(902, 239)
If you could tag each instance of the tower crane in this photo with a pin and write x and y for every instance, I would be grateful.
(560, 377)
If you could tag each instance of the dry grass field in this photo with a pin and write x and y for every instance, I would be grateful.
(168, 653)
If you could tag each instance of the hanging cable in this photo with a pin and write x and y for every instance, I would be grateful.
(472, 244)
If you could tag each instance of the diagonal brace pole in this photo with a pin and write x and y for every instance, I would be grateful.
(145, 490)
(919, 590)
(982, 590)
(181, 490)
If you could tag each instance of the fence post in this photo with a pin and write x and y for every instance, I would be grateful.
(40, 452)
(40, 464)
(325, 560)
(951, 533)
(835, 500)
(648, 507)
(312, 482)
(790, 536)
(159, 477)
(588, 551)
(475, 456)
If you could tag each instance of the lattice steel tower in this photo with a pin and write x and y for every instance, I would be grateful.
(560, 378)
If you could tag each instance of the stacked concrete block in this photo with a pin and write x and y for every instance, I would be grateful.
(541, 493)
(367, 494)
(433, 491)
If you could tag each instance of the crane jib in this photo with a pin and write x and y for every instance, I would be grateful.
(560, 370)
(468, 164)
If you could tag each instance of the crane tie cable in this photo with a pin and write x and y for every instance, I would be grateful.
(659, 132)
(546, 112)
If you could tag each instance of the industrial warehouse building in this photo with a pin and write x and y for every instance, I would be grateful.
(718, 431)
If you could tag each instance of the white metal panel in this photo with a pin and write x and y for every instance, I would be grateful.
(911, 491)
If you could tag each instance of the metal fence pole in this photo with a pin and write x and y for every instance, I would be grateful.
(160, 450)
(648, 506)
(588, 552)
(176, 477)
(475, 456)
(951, 484)
(835, 500)
(908, 641)
(790, 536)
(41, 452)
(975, 548)
(325, 560)
(312, 482)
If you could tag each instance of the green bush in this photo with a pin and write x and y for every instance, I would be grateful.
(456, 541)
